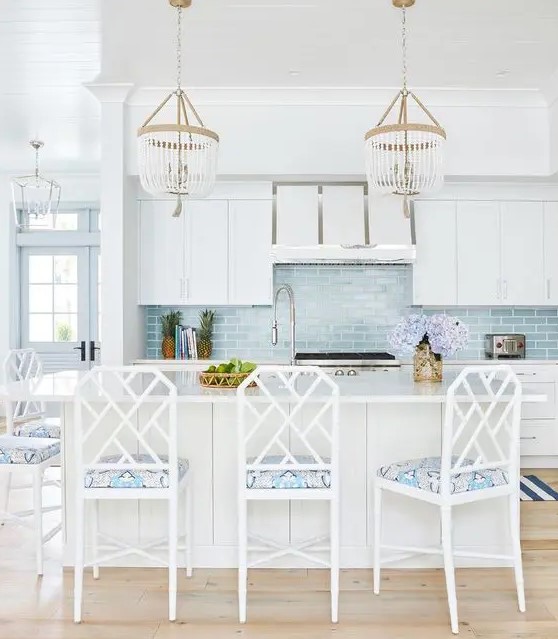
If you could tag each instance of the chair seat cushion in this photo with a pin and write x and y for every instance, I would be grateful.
(49, 427)
(132, 477)
(27, 450)
(288, 477)
(424, 474)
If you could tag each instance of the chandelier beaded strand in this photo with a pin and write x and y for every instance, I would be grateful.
(405, 158)
(179, 158)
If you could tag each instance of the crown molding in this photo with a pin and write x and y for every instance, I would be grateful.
(110, 93)
(342, 96)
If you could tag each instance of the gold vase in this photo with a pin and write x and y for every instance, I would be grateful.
(427, 366)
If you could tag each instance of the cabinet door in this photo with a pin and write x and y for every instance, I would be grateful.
(250, 266)
(297, 215)
(343, 214)
(207, 252)
(551, 253)
(478, 254)
(161, 255)
(522, 253)
(435, 268)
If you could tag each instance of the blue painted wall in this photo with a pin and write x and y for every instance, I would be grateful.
(351, 308)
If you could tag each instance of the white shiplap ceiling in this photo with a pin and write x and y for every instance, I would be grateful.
(452, 43)
(48, 49)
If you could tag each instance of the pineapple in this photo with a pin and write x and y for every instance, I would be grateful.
(205, 334)
(169, 322)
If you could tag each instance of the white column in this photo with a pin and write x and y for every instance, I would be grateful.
(121, 318)
(9, 278)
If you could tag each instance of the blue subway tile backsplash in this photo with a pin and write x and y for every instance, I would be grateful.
(351, 308)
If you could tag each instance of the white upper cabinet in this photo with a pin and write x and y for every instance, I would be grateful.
(297, 215)
(216, 253)
(250, 266)
(551, 253)
(435, 268)
(522, 248)
(161, 254)
(207, 252)
(343, 214)
(479, 279)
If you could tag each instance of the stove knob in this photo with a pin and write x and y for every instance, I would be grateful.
(339, 372)
(351, 372)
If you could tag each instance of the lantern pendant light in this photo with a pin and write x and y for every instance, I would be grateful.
(178, 158)
(35, 196)
(405, 158)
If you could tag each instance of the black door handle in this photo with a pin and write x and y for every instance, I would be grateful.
(81, 348)
(92, 349)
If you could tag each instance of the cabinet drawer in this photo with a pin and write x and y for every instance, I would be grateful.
(539, 438)
(544, 410)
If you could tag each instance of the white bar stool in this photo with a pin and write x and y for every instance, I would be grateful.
(479, 461)
(126, 448)
(288, 449)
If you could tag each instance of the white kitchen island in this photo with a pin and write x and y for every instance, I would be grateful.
(385, 417)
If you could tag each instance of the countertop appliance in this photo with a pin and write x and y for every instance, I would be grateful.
(504, 346)
(349, 364)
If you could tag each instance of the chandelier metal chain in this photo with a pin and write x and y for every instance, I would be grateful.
(404, 45)
(179, 51)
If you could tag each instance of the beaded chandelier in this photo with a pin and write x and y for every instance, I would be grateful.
(35, 196)
(178, 158)
(405, 158)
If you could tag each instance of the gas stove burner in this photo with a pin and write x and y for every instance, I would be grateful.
(348, 363)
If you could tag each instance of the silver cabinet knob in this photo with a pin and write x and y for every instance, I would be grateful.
(351, 372)
(339, 372)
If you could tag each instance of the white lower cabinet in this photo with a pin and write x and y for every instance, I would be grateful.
(217, 253)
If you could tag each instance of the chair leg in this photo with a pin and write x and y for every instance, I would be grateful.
(173, 551)
(377, 537)
(516, 547)
(38, 517)
(189, 530)
(79, 557)
(6, 488)
(334, 558)
(95, 537)
(242, 559)
(449, 567)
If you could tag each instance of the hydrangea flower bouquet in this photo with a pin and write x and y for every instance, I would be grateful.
(428, 338)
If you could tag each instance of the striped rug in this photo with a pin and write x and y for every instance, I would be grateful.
(534, 489)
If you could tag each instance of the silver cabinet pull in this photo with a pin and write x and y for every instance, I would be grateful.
(548, 288)
(505, 289)
(530, 438)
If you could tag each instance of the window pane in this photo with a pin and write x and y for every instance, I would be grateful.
(65, 328)
(60, 222)
(40, 327)
(40, 269)
(65, 298)
(65, 269)
(40, 298)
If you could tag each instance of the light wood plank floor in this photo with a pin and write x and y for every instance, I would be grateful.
(132, 603)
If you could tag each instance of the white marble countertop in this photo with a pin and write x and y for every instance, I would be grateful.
(368, 388)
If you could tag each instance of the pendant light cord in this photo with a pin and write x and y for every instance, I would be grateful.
(404, 46)
(36, 162)
(179, 52)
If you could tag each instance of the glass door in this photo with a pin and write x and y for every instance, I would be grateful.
(60, 305)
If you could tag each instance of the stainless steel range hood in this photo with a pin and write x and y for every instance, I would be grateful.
(384, 235)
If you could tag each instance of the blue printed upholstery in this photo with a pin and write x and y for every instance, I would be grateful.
(38, 428)
(132, 478)
(424, 474)
(288, 477)
(27, 450)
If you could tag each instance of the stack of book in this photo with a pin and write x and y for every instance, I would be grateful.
(186, 346)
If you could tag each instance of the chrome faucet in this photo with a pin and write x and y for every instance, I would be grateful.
(274, 331)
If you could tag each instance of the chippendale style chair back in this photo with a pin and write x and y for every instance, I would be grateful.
(22, 365)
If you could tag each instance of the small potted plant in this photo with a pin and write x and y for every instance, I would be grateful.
(205, 334)
(428, 338)
(169, 322)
